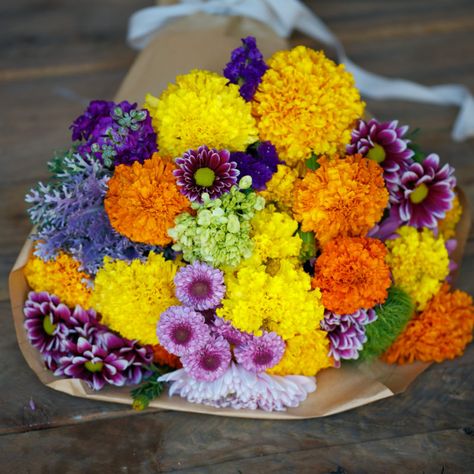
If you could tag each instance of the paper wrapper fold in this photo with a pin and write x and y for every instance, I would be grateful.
(205, 42)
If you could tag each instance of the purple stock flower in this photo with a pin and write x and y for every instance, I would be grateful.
(347, 333)
(94, 364)
(426, 192)
(221, 327)
(115, 133)
(210, 361)
(260, 163)
(46, 324)
(199, 286)
(260, 353)
(205, 171)
(384, 143)
(246, 67)
(181, 330)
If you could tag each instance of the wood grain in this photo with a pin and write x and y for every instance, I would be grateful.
(56, 55)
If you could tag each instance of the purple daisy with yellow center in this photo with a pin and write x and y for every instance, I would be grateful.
(260, 353)
(385, 143)
(205, 171)
(200, 286)
(93, 364)
(181, 330)
(426, 193)
(209, 362)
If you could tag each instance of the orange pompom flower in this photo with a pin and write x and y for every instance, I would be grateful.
(162, 357)
(143, 200)
(343, 197)
(352, 274)
(441, 331)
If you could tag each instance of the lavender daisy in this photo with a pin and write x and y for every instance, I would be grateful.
(182, 330)
(46, 322)
(384, 143)
(210, 361)
(93, 364)
(200, 286)
(258, 162)
(260, 353)
(246, 67)
(205, 171)
(426, 192)
(347, 333)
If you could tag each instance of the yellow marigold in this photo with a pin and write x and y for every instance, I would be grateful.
(281, 301)
(419, 262)
(280, 189)
(305, 354)
(343, 197)
(440, 332)
(273, 235)
(143, 200)
(201, 109)
(447, 226)
(61, 277)
(131, 297)
(352, 274)
(306, 104)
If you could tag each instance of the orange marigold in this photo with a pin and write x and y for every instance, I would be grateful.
(343, 197)
(143, 200)
(162, 357)
(352, 274)
(441, 331)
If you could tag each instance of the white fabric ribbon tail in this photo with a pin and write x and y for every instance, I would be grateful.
(284, 16)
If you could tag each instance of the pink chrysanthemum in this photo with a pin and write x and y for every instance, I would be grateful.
(210, 361)
(205, 171)
(384, 143)
(199, 286)
(232, 335)
(260, 353)
(182, 330)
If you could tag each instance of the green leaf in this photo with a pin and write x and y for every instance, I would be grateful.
(312, 162)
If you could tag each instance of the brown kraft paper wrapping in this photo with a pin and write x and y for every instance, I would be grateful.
(205, 42)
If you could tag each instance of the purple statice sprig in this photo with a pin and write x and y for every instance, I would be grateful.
(246, 67)
(70, 216)
(260, 161)
(73, 343)
(347, 333)
(115, 133)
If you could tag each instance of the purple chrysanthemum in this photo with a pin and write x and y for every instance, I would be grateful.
(246, 67)
(210, 361)
(205, 171)
(115, 133)
(426, 193)
(260, 163)
(199, 286)
(46, 323)
(260, 353)
(221, 327)
(93, 364)
(181, 330)
(384, 143)
(347, 333)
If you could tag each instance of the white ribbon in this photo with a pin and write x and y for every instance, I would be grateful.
(284, 16)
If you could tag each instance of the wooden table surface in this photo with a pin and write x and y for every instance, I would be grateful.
(57, 55)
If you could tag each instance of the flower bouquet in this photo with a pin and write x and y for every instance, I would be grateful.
(237, 236)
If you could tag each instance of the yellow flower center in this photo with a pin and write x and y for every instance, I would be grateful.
(419, 194)
(204, 177)
(94, 366)
(377, 153)
(48, 326)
